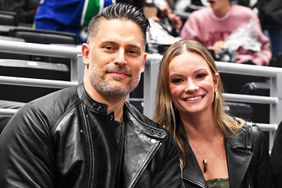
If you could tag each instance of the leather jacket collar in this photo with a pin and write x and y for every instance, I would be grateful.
(138, 131)
(93, 105)
(238, 161)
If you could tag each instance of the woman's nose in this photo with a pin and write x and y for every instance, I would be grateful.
(191, 85)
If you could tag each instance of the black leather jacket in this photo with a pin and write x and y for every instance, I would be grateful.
(247, 159)
(63, 140)
(276, 156)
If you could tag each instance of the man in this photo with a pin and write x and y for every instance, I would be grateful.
(270, 15)
(89, 136)
(275, 157)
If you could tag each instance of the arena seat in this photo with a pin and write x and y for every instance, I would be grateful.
(8, 18)
(29, 69)
(44, 36)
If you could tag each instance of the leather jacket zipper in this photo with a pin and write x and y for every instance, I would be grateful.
(90, 148)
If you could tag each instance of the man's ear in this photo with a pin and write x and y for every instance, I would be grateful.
(144, 61)
(85, 53)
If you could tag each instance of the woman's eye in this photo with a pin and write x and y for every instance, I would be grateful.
(201, 75)
(176, 80)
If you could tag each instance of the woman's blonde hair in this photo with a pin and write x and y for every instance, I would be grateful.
(165, 112)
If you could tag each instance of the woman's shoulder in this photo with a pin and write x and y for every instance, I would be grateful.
(249, 135)
(253, 130)
(254, 136)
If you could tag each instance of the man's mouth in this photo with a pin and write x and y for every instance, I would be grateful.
(119, 72)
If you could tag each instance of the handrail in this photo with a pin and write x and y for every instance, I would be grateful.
(267, 127)
(8, 112)
(251, 70)
(250, 98)
(50, 50)
(35, 82)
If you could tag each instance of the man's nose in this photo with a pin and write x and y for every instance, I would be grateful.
(120, 57)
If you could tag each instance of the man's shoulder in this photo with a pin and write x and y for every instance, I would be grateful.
(59, 97)
(50, 107)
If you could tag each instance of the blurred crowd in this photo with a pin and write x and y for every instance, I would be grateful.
(173, 16)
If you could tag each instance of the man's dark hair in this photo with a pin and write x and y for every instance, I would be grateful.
(120, 11)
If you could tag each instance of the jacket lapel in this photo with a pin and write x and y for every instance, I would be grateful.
(192, 171)
(238, 158)
(141, 143)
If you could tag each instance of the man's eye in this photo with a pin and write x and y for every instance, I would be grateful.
(133, 52)
(110, 48)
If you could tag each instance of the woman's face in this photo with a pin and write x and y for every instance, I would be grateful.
(191, 83)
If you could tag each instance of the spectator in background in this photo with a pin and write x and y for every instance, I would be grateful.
(189, 6)
(74, 15)
(166, 8)
(217, 150)
(213, 25)
(26, 9)
(270, 14)
(88, 135)
(68, 15)
(233, 30)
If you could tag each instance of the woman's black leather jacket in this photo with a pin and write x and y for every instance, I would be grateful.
(247, 160)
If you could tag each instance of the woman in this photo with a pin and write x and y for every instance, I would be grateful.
(216, 149)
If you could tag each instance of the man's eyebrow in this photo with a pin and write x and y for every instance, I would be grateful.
(134, 46)
(108, 42)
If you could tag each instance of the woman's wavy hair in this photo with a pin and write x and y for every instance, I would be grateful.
(166, 113)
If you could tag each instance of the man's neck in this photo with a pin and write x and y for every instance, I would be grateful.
(115, 104)
(117, 108)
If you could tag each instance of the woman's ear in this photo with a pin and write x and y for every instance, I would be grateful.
(216, 79)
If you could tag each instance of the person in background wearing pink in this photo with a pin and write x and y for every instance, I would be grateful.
(213, 25)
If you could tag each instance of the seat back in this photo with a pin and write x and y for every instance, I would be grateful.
(8, 18)
(44, 36)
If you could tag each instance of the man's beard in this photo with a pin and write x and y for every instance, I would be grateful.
(108, 88)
